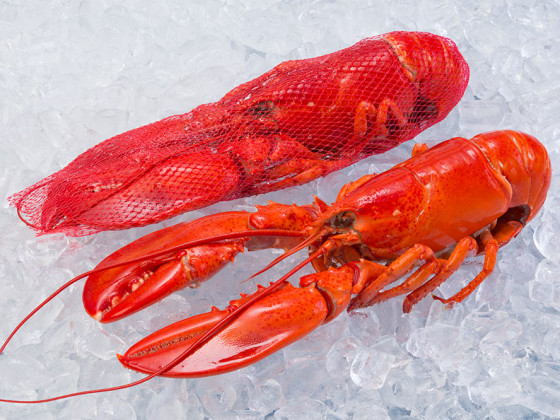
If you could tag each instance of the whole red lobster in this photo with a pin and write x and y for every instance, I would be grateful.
(458, 199)
(301, 120)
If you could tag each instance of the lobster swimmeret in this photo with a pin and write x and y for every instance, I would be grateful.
(301, 120)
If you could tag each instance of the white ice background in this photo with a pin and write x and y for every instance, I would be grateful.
(73, 73)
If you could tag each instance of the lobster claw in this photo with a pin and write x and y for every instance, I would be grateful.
(266, 326)
(114, 293)
(186, 254)
(250, 329)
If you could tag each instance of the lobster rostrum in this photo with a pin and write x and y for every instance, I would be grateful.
(301, 120)
(455, 200)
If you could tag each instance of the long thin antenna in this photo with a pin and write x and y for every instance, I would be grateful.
(195, 346)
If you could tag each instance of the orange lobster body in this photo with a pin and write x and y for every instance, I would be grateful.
(412, 203)
(301, 120)
(417, 221)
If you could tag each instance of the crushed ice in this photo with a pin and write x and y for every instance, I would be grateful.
(76, 73)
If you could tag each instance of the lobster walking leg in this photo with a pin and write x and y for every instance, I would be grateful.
(379, 116)
(466, 247)
(417, 279)
(396, 270)
(491, 250)
(501, 234)
(419, 148)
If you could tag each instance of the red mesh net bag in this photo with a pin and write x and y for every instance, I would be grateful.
(299, 121)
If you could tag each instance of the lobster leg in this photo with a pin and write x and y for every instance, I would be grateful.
(385, 106)
(500, 235)
(396, 270)
(491, 250)
(419, 148)
(185, 255)
(364, 129)
(416, 285)
(466, 247)
(417, 279)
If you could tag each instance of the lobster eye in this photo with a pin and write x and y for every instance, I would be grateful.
(343, 220)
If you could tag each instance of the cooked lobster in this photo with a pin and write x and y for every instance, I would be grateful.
(301, 120)
(456, 200)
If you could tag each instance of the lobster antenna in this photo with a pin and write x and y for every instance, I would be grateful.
(233, 235)
(291, 251)
(43, 303)
(188, 352)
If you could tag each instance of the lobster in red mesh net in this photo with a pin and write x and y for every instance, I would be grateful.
(301, 120)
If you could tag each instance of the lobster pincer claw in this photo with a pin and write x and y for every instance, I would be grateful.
(249, 334)
(265, 327)
(114, 293)
(108, 297)
(162, 262)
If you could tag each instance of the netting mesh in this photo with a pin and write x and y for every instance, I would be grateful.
(301, 120)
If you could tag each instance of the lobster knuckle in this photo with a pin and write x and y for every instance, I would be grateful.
(281, 216)
(427, 254)
(365, 271)
(335, 285)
